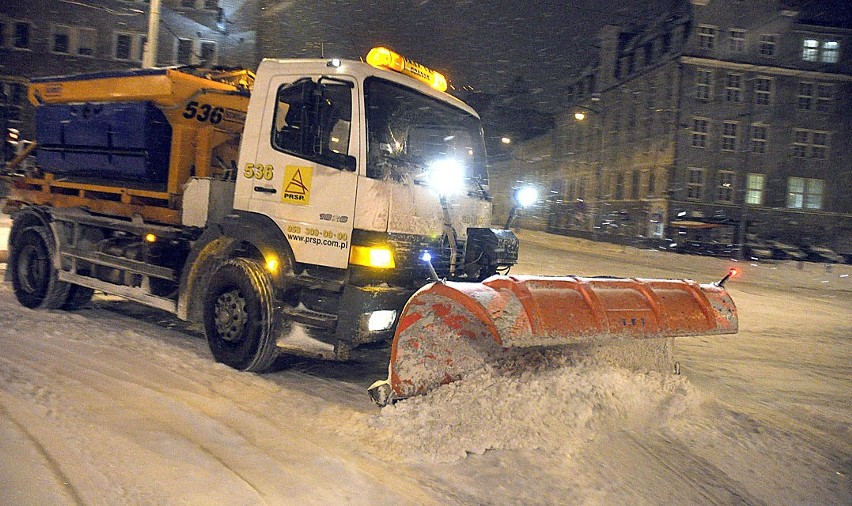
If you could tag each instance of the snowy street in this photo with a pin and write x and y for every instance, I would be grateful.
(120, 404)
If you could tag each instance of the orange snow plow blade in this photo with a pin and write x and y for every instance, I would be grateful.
(447, 330)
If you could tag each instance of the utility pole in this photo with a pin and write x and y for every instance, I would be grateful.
(149, 58)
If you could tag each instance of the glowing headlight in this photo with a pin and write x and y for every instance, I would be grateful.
(381, 320)
(372, 256)
(526, 196)
(446, 176)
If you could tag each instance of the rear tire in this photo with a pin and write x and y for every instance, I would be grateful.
(239, 318)
(34, 278)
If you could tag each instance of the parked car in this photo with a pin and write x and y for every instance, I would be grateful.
(823, 254)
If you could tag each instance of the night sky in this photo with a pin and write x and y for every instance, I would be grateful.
(481, 44)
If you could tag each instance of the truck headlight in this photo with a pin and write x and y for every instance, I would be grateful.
(446, 176)
(381, 320)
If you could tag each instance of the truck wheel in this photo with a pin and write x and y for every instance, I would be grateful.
(238, 316)
(34, 279)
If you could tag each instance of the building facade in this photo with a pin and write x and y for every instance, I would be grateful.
(48, 37)
(722, 123)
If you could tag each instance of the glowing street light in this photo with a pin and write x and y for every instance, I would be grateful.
(506, 140)
(579, 115)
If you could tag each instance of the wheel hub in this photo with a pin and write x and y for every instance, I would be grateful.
(31, 269)
(230, 315)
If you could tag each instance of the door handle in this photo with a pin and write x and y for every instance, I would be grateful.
(264, 189)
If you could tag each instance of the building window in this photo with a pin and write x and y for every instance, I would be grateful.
(189, 4)
(759, 134)
(652, 182)
(699, 132)
(804, 193)
(810, 144)
(825, 51)
(729, 136)
(695, 184)
(737, 40)
(184, 51)
(123, 46)
(825, 95)
(619, 186)
(754, 189)
(211, 4)
(86, 40)
(767, 45)
(208, 53)
(733, 87)
(61, 42)
(830, 51)
(634, 185)
(762, 90)
(2, 33)
(810, 50)
(140, 48)
(805, 96)
(707, 36)
(21, 38)
(725, 188)
(704, 84)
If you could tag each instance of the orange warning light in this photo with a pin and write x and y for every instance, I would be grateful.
(384, 58)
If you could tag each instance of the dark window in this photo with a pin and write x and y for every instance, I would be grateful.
(313, 120)
(184, 51)
(22, 35)
(123, 43)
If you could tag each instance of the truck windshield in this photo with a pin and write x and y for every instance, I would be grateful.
(411, 133)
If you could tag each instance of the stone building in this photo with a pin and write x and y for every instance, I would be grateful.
(49, 37)
(723, 122)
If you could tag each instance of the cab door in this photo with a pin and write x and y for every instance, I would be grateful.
(305, 176)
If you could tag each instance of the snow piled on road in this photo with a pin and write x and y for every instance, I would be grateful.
(544, 403)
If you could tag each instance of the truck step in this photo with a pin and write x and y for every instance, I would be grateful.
(305, 316)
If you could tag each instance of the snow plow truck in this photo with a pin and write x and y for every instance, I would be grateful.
(311, 208)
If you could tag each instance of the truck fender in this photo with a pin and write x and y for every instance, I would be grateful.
(241, 234)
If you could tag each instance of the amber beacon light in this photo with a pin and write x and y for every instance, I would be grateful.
(384, 58)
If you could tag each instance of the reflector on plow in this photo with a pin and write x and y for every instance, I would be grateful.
(447, 330)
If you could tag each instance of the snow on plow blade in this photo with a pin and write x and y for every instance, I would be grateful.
(447, 330)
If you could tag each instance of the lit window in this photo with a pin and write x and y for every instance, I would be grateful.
(737, 40)
(810, 49)
(754, 189)
(804, 193)
(830, 51)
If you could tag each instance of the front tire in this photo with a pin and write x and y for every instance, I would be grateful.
(34, 278)
(239, 318)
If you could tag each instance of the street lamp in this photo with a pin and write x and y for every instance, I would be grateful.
(581, 115)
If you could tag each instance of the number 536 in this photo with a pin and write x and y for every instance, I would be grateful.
(259, 171)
